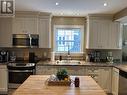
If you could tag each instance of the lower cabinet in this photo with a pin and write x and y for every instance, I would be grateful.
(3, 79)
(48, 70)
(105, 78)
(115, 81)
(45, 70)
(102, 75)
(93, 72)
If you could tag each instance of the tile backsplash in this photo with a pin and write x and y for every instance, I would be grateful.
(24, 52)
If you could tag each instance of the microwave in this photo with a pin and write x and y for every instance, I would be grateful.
(25, 40)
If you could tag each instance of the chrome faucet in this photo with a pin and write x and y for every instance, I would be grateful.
(68, 54)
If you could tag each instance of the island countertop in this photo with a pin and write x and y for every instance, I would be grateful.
(35, 85)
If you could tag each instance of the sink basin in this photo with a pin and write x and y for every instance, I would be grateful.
(68, 62)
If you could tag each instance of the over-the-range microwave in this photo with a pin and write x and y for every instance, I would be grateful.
(25, 40)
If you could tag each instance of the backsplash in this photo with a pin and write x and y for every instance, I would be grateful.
(23, 53)
(101, 55)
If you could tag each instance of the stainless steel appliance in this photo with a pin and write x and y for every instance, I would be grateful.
(19, 72)
(122, 83)
(4, 56)
(25, 40)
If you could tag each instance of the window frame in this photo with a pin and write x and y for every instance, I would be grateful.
(69, 26)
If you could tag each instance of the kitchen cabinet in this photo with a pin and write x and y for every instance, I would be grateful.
(105, 78)
(48, 70)
(103, 33)
(102, 75)
(45, 70)
(115, 36)
(44, 33)
(74, 70)
(5, 32)
(25, 25)
(3, 79)
(93, 72)
(115, 81)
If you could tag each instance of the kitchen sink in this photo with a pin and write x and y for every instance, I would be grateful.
(68, 62)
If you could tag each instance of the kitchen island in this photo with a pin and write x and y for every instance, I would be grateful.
(36, 85)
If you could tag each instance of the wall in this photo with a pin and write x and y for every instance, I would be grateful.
(59, 20)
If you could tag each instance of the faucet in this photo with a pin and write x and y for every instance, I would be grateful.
(68, 54)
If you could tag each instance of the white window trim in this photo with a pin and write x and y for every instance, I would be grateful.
(69, 26)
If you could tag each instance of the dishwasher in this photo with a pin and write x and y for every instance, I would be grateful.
(122, 83)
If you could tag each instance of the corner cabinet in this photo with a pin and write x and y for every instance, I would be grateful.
(103, 34)
(3, 79)
(44, 32)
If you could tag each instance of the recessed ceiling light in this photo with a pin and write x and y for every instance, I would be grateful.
(105, 4)
(57, 3)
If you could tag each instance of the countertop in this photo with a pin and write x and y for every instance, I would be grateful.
(121, 66)
(35, 85)
(72, 63)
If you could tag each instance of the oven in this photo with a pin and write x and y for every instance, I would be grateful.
(19, 72)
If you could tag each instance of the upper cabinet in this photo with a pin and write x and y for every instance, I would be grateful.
(5, 32)
(103, 33)
(44, 32)
(25, 23)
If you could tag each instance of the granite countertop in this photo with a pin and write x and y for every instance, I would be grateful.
(121, 66)
(71, 63)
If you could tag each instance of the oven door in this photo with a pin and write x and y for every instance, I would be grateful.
(17, 77)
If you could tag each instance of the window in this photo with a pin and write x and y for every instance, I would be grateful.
(68, 38)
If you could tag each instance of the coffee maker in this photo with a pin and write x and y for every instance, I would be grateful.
(4, 56)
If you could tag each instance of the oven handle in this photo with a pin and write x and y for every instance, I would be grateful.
(18, 71)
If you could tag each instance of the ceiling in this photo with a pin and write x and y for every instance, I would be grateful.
(71, 7)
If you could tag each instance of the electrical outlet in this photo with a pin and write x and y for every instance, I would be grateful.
(45, 54)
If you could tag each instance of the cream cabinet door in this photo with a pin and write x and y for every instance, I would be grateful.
(44, 33)
(74, 70)
(93, 72)
(115, 37)
(45, 70)
(92, 36)
(97, 36)
(3, 79)
(5, 32)
(115, 81)
(25, 25)
(104, 79)
(103, 34)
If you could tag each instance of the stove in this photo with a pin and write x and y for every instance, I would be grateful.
(21, 66)
(19, 72)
